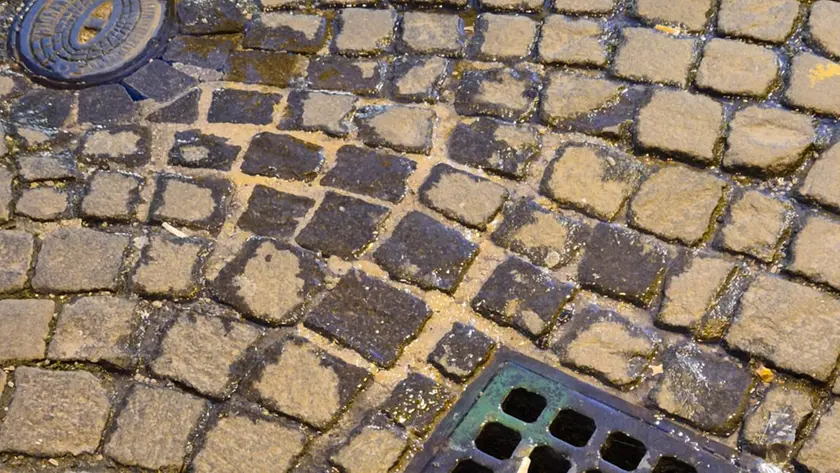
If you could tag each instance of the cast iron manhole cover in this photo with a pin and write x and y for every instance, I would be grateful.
(86, 42)
(522, 416)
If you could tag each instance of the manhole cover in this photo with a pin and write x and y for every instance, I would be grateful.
(522, 416)
(86, 42)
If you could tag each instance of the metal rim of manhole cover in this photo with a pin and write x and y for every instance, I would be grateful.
(78, 43)
(521, 416)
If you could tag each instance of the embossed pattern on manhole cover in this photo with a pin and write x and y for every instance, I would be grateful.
(522, 416)
(85, 42)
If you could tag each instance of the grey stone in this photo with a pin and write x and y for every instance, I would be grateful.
(372, 173)
(756, 224)
(690, 14)
(273, 213)
(159, 81)
(735, 67)
(199, 202)
(225, 16)
(79, 259)
(359, 76)
(818, 184)
(821, 25)
(362, 31)
(819, 452)
(127, 145)
(272, 68)
(26, 327)
(6, 193)
(419, 79)
(815, 249)
(814, 84)
(193, 149)
(584, 6)
(321, 111)
(433, 33)
(770, 20)
(286, 31)
(242, 106)
(772, 429)
(47, 166)
(207, 52)
(505, 37)
(105, 105)
(768, 141)
(415, 402)
(342, 226)
(651, 56)
(470, 200)
(460, 353)
(569, 40)
(508, 93)
(282, 156)
(495, 146)
(112, 195)
(371, 449)
(397, 127)
(17, 249)
(45, 202)
(181, 110)
(170, 267)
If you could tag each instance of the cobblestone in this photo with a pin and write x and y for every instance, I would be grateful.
(510, 94)
(105, 105)
(242, 106)
(112, 195)
(284, 31)
(193, 149)
(44, 203)
(372, 173)
(818, 184)
(321, 111)
(770, 21)
(756, 224)
(772, 429)
(42, 108)
(734, 67)
(648, 55)
(372, 449)
(494, 146)
(505, 37)
(170, 267)
(273, 213)
(690, 14)
(78, 260)
(266, 67)
(199, 202)
(812, 86)
(584, 6)
(6, 193)
(397, 127)
(343, 226)
(470, 200)
(206, 52)
(159, 81)
(182, 110)
(199, 17)
(127, 145)
(26, 325)
(569, 40)
(815, 247)
(767, 141)
(433, 33)
(415, 402)
(282, 156)
(44, 166)
(821, 26)
(363, 32)
(419, 79)
(818, 453)
(460, 352)
(359, 76)
(17, 249)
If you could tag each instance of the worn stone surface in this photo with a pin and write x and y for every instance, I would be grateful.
(362, 31)
(815, 248)
(569, 40)
(321, 111)
(43, 108)
(79, 259)
(286, 31)
(359, 76)
(814, 84)
(470, 200)
(767, 140)
(494, 146)
(819, 183)
(44, 202)
(206, 52)
(372, 173)
(47, 166)
(777, 321)
(819, 453)
(26, 325)
(199, 202)
(373, 449)
(342, 226)
(274, 68)
(512, 5)
(397, 127)
(182, 110)
(193, 149)
(273, 213)
(17, 250)
(419, 79)
(648, 55)
(584, 6)
(507, 93)
(505, 37)
(772, 429)
(690, 14)
(159, 81)
(242, 106)
(433, 33)
(460, 352)
(55, 413)
(577, 102)
(127, 145)
(369, 316)
(692, 196)
(415, 402)
(225, 16)
(735, 67)
(111, 195)
(769, 20)
(105, 105)
(821, 24)
(521, 295)
(755, 225)
(690, 293)
(170, 267)
(6, 195)
(282, 156)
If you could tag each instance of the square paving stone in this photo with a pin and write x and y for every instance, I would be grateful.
(273, 213)
(43, 108)
(606, 345)
(769, 20)
(569, 40)
(105, 105)
(170, 267)
(399, 127)
(272, 68)
(206, 52)
(819, 184)
(55, 413)
(767, 141)
(373, 173)
(681, 123)
(198, 202)
(306, 383)
(427, 253)
(163, 414)
(17, 249)
(96, 329)
(242, 106)
(359, 76)
(512, 5)
(47, 166)
(78, 260)
(756, 224)
(819, 452)
(622, 263)
(596, 180)
(505, 37)
(692, 198)
(159, 81)
(584, 6)
(689, 14)
(735, 67)
(415, 402)
(321, 111)
(470, 200)
(369, 316)
(523, 296)
(224, 16)
(773, 428)
(286, 31)
(461, 352)
(546, 238)
(127, 145)
(46, 202)
(111, 195)
(282, 156)
(819, 92)
(816, 251)
(269, 281)
(419, 79)
(249, 442)
(778, 321)
(648, 55)
(507, 93)
(433, 34)
(821, 26)
(361, 31)
(708, 389)
(6, 194)
(26, 327)
(495, 146)
(373, 447)
(205, 352)
(343, 226)
(193, 149)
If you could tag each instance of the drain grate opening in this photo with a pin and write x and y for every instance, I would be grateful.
(672, 465)
(623, 451)
(498, 441)
(469, 466)
(546, 460)
(572, 427)
(524, 405)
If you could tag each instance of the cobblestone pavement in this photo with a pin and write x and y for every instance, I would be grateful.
(290, 242)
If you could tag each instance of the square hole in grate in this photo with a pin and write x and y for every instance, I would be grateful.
(672, 465)
(572, 427)
(524, 405)
(546, 460)
(497, 440)
(623, 451)
(469, 466)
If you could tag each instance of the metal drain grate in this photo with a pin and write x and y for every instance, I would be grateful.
(520, 408)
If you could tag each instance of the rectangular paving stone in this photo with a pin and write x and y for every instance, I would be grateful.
(369, 316)
(286, 31)
(199, 202)
(372, 173)
(507, 93)
(819, 452)
(273, 68)
(111, 195)
(208, 52)
(432, 34)
(770, 20)
(735, 67)
(756, 224)
(17, 250)
(182, 110)
(193, 149)
(242, 106)
(821, 26)
(767, 141)
(648, 55)
(819, 184)
(569, 40)
(579, 102)
(159, 81)
(689, 14)
(523, 296)
(401, 128)
(170, 266)
(45, 203)
(505, 37)
(6, 195)
(813, 86)
(470, 200)
(273, 213)
(494, 146)
(418, 78)
(55, 413)
(105, 105)
(199, 18)
(321, 111)
(772, 429)
(415, 402)
(282, 156)
(584, 6)
(127, 145)
(427, 253)
(461, 352)
(359, 76)
(26, 327)
(47, 166)
(374, 448)
(43, 108)
(815, 251)
(362, 32)
(78, 260)
(342, 226)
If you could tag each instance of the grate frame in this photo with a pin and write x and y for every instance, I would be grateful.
(481, 404)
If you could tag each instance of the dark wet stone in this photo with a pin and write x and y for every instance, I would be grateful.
(415, 402)
(43, 108)
(546, 238)
(183, 110)
(369, 316)
(328, 112)
(708, 389)
(273, 213)
(199, 202)
(359, 76)
(372, 173)
(203, 17)
(193, 149)
(128, 145)
(47, 166)
(242, 106)
(270, 281)
(419, 79)
(274, 68)
(461, 352)
(159, 81)
(208, 52)
(432, 33)
(47, 202)
(342, 226)
(523, 296)
(484, 144)
(283, 157)
(509, 93)
(105, 105)
(111, 195)
(470, 200)
(622, 263)
(277, 31)
(427, 253)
